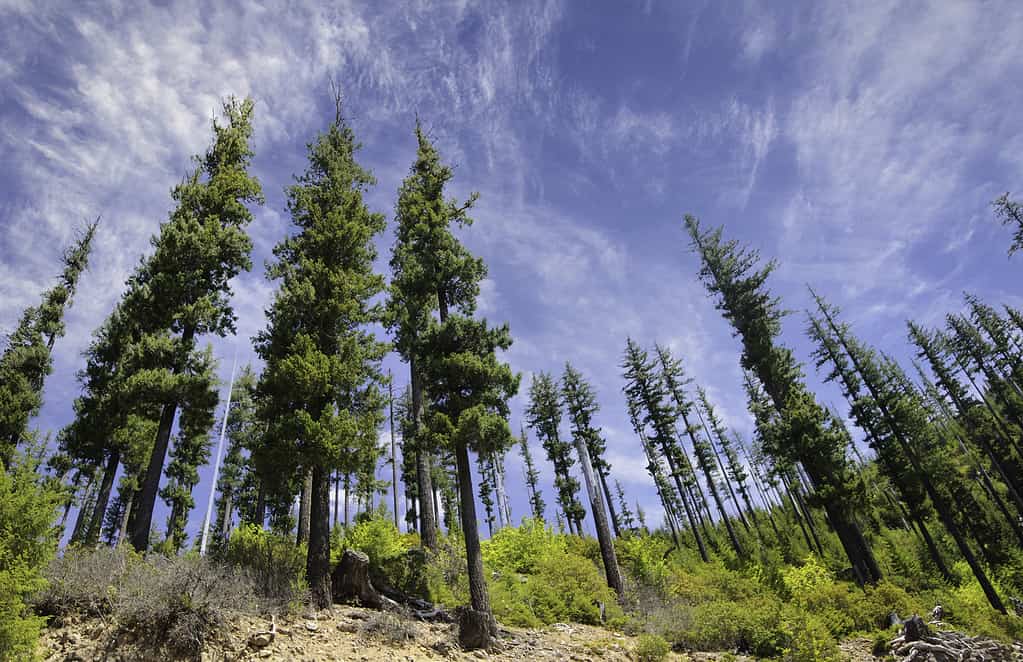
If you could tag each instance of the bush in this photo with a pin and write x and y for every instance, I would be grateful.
(273, 563)
(393, 557)
(540, 577)
(84, 581)
(178, 603)
(393, 628)
(651, 648)
(28, 541)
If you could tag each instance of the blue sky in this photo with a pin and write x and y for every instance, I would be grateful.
(860, 144)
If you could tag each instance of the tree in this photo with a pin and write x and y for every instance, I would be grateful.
(1009, 212)
(905, 419)
(581, 404)
(456, 354)
(646, 396)
(543, 415)
(807, 433)
(675, 379)
(426, 255)
(532, 477)
(242, 430)
(627, 521)
(320, 392)
(28, 540)
(27, 357)
(184, 286)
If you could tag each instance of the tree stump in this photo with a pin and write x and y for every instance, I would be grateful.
(473, 629)
(915, 629)
(350, 581)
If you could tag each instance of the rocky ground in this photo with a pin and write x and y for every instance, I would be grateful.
(364, 635)
(345, 633)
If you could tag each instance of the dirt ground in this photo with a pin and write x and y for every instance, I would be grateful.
(362, 635)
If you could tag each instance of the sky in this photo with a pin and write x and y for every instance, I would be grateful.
(859, 144)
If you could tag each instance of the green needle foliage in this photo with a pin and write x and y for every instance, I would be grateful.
(320, 393)
(27, 357)
(806, 433)
(184, 286)
(544, 416)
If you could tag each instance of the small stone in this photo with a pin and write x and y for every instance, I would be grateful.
(311, 626)
(261, 639)
(480, 654)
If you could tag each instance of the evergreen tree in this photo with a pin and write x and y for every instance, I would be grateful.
(581, 404)
(717, 437)
(320, 392)
(242, 431)
(27, 357)
(1010, 212)
(543, 415)
(184, 286)
(905, 419)
(807, 434)
(647, 398)
(532, 477)
(675, 379)
(627, 520)
(467, 385)
(426, 257)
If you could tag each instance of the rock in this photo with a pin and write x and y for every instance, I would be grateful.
(914, 629)
(350, 581)
(311, 626)
(261, 639)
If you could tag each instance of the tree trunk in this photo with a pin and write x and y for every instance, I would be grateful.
(615, 525)
(225, 521)
(479, 598)
(350, 581)
(151, 483)
(427, 511)
(607, 545)
(102, 499)
(317, 567)
(122, 529)
(394, 453)
(84, 511)
(261, 504)
(304, 507)
(685, 503)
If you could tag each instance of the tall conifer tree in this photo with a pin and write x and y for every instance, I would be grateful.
(27, 357)
(808, 435)
(321, 389)
(581, 404)
(184, 286)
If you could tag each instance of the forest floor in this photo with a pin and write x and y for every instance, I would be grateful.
(362, 635)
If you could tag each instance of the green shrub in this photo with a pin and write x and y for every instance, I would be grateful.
(394, 557)
(651, 648)
(28, 540)
(272, 562)
(808, 638)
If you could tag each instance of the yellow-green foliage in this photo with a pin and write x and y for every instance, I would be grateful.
(541, 577)
(28, 541)
(651, 648)
(275, 564)
(392, 558)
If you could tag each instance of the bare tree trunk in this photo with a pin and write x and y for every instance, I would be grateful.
(394, 451)
(122, 529)
(478, 595)
(102, 499)
(607, 545)
(305, 507)
(151, 483)
(427, 510)
(318, 557)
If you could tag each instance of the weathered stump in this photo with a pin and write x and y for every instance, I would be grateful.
(474, 629)
(914, 629)
(350, 581)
